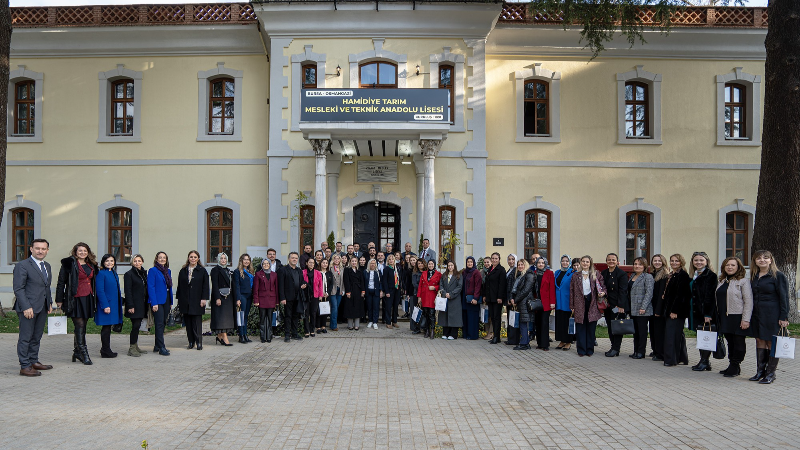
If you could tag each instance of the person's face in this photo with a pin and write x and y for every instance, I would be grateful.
(390, 260)
(193, 258)
(408, 246)
(731, 267)
(293, 259)
(318, 255)
(362, 261)
(338, 246)
(324, 245)
(371, 245)
(487, 262)
(534, 257)
(657, 263)
(412, 261)
(223, 260)
(271, 256)
(576, 267)
(470, 264)
(246, 261)
(431, 265)
(328, 253)
(389, 248)
(310, 263)
(307, 249)
(82, 252)
(698, 262)
(357, 247)
(611, 262)
(638, 267)
(323, 265)
(39, 250)
(540, 265)
(161, 258)
(763, 261)
(265, 264)
(564, 263)
(373, 265)
(495, 260)
(349, 249)
(520, 266)
(354, 263)
(380, 257)
(675, 263)
(109, 264)
(426, 243)
(585, 263)
(511, 261)
(137, 262)
(337, 260)
(451, 267)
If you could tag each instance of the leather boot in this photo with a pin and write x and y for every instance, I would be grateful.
(733, 370)
(771, 367)
(425, 336)
(80, 334)
(132, 351)
(140, 350)
(76, 351)
(762, 355)
(703, 364)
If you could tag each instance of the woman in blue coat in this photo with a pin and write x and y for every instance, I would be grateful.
(563, 313)
(159, 295)
(109, 303)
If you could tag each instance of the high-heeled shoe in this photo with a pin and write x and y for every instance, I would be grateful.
(220, 341)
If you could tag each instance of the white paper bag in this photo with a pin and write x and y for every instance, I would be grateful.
(274, 318)
(513, 319)
(416, 315)
(324, 308)
(240, 321)
(552, 322)
(56, 325)
(143, 326)
(707, 340)
(441, 304)
(484, 314)
(405, 304)
(784, 347)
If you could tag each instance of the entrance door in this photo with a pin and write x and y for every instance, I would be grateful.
(379, 224)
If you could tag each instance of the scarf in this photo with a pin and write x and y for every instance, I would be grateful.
(430, 274)
(468, 271)
(267, 270)
(164, 272)
(539, 272)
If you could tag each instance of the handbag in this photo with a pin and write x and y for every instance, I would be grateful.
(423, 321)
(535, 305)
(240, 321)
(225, 292)
(116, 328)
(571, 326)
(782, 345)
(621, 326)
(721, 351)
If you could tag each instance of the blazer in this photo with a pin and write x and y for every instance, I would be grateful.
(547, 290)
(473, 284)
(286, 288)
(265, 289)
(190, 293)
(453, 287)
(108, 296)
(337, 280)
(658, 294)
(157, 293)
(576, 300)
(678, 295)
(740, 298)
(616, 283)
(387, 281)
(427, 297)
(316, 283)
(494, 287)
(378, 280)
(562, 289)
(642, 295)
(31, 287)
(428, 255)
(67, 285)
(135, 293)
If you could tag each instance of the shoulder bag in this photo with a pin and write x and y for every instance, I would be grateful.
(225, 292)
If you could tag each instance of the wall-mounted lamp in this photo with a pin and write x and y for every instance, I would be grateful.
(421, 73)
(349, 159)
(338, 72)
(403, 161)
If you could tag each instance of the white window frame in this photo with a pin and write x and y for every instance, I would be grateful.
(655, 227)
(14, 77)
(553, 79)
(738, 205)
(298, 61)
(378, 54)
(457, 61)
(202, 235)
(204, 78)
(555, 226)
(6, 265)
(752, 84)
(102, 226)
(104, 116)
(653, 81)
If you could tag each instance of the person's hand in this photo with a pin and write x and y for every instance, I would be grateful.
(431, 288)
(283, 302)
(707, 319)
(202, 303)
(673, 316)
(303, 286)
(446, 295)
(474, 302)
(512, 302)
(363, 292)
(49, 309)
(656, 315)
(783, 323)
(155, 308)
(28, 313)
(744, 325)
(239, 302)
(500, 300)
(58, 305)
(641, 312)
(348, 295)
(107, 310)
(622, 310)
(255, 304)
(219, 302)
(130, 311)
(552, 306)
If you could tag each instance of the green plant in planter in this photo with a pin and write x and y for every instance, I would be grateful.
(332, 242)
(419, 250)
(449, 250)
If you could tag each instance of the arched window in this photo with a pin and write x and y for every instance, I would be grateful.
(447, 81)
(122, 107)
(306, 226)
(637, 236)
(447, 226)
(24, 108)
(377, 75)
(637, 115)
(735, 109)
(736, 231)
(221, 106)
(310, 76)
(537, 233)
(120, 234)
(22, 233)
(537, 122)
(219, 238)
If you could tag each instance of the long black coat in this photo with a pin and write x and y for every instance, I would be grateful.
(616, 282)
(223, 317)
(495, 285)
(67, 285)
(286, 287)
(678, 295)
(136, 293)
(770, 304)
(190, 293)
(704, 298)
(658, 293)
(353, 307)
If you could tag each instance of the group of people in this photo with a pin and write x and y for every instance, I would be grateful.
(327, 286)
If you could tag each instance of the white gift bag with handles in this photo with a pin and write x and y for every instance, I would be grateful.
(56, 325)
(324, 308)
(441, 304)
(707, 340)
(416, 315)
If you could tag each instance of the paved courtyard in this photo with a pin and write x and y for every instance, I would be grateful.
(386, 389)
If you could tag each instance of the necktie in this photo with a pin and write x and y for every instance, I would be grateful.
(424, 254)
(44, 271)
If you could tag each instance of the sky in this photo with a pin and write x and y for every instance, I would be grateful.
(124, 2)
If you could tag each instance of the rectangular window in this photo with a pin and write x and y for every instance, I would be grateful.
(637, 236)
(120, 234)
(636, 110)
(537, 233)
(24, 113)
(447, 226)
(735, 107)
(21, 233)
(447, 81)
(220, 106)
(219, 238)
(122, 108)
(536, 108)
(306, 226)
(377, 75)
(310, 76)
(736, 233)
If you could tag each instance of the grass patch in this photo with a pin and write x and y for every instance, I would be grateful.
(10, 324)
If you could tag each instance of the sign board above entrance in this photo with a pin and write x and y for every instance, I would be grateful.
(377, 172)
(375, 105)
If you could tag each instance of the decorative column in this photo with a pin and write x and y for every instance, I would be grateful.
(419, 169)
(334, 164)
(320, 147)
(430, 148)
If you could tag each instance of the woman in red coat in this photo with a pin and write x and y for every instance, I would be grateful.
(265, 296)
(546, 291)
(428, 287)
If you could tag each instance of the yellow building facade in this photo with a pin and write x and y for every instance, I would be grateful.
(178, 127)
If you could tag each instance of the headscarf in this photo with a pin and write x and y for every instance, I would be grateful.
(540, 272)
(164, 272)
(514, 265)
(468, 271)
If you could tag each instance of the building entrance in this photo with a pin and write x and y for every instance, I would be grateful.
(376, 223)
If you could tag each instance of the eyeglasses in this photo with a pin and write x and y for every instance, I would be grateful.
(699, 253)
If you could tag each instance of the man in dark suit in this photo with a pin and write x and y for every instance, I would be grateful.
(427, 254)
(408, 251)
(357, 250)
(290, 282)
(34, 301)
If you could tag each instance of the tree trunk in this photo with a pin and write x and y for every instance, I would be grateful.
(5, 49)
(777, 224)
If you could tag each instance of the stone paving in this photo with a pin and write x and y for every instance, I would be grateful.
(386, 389)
